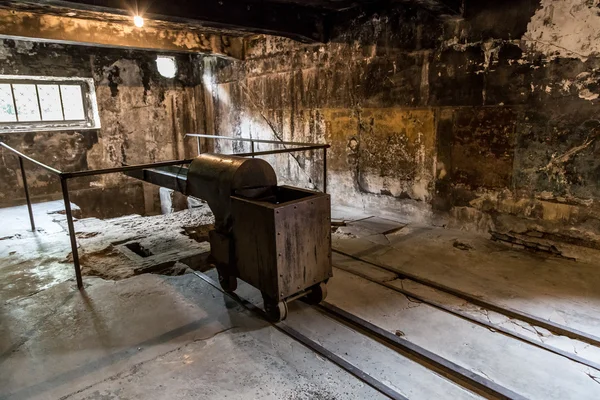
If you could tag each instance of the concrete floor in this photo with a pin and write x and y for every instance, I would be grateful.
(152, 336)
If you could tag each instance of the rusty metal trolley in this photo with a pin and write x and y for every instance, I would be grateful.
(276, 238)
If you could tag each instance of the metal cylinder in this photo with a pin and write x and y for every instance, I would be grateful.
(215, 178)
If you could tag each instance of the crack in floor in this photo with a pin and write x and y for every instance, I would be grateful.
(593, 377)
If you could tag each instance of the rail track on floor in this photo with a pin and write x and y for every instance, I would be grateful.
(465, 378)
(506, 311)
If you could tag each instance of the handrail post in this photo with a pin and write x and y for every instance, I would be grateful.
(199, 147)
(69, 213)
(252, 147)
(24, 176)
(324, 169)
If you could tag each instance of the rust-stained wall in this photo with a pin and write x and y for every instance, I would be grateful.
(143, 115)
(477, 122)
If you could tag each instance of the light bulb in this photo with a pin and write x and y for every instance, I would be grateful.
(166, 66)
(138, 21)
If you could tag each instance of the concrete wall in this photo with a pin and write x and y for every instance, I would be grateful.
(143, 115)
(486, 122)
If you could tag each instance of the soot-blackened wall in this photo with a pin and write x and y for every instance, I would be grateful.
(143, 115)
(487, 122)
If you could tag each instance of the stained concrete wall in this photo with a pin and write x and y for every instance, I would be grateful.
(488, 121)
(143, 115)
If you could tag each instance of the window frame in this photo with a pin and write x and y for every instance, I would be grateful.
(90, 105)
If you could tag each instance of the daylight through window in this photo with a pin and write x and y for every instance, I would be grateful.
(37, 103)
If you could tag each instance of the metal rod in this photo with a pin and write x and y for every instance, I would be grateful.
(250, 140)
(447, 368)
(69, 212)
(39, 103)
(62, 106)
(14, 99)
(266, 153)
(324, 169)
(252, 147)
(180, 162)
(39, 164)
(153, 165)
(199, 147)
(27, 195)
(124, 168)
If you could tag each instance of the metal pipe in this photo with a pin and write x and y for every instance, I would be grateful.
(325, 170)
(179, 162)
(124, 168)
(27, 195)
(198, 144)
(39, 164)
(266, 153)
(69, 213)
(252, 147)
(249, 140)
(447, 368)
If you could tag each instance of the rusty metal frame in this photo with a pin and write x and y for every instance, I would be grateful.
(65, 176)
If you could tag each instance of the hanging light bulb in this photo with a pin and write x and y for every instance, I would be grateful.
(138, 21)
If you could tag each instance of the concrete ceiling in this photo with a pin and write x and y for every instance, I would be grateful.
(304, 20)
(201, 26)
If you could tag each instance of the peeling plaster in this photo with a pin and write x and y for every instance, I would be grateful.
(566, 28)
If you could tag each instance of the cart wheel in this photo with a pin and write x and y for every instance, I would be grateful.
(317, 294)
(228, 282)
(276, 312)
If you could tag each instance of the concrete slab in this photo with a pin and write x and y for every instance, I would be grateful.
(534, 333)
(15, 220)
(345, 213)
(560, 290)
(155, 337)
(377, 225)
(32, 262)
(529, 371)
(376, 359)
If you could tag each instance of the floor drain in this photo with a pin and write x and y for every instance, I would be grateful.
(139, 249)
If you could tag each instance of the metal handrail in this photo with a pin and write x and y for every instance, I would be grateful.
(269, 152)
(198, 135)
(65, 176)
(124, 168)
(39, 164)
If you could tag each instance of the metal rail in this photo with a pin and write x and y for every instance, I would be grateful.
(125, 168)
(478, 321)
(311, 344)
(510, 312)
(65, 176)
(23, 156)
(251, 140)
(446, 367)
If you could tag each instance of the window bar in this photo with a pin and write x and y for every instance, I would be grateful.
(84, 101)
(37, 93)
(62, 107)
(12, 91)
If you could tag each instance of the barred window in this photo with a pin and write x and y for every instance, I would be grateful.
(30, 103)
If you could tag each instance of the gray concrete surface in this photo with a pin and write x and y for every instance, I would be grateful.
(154, 337)
(563, 291)
(162, 337)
